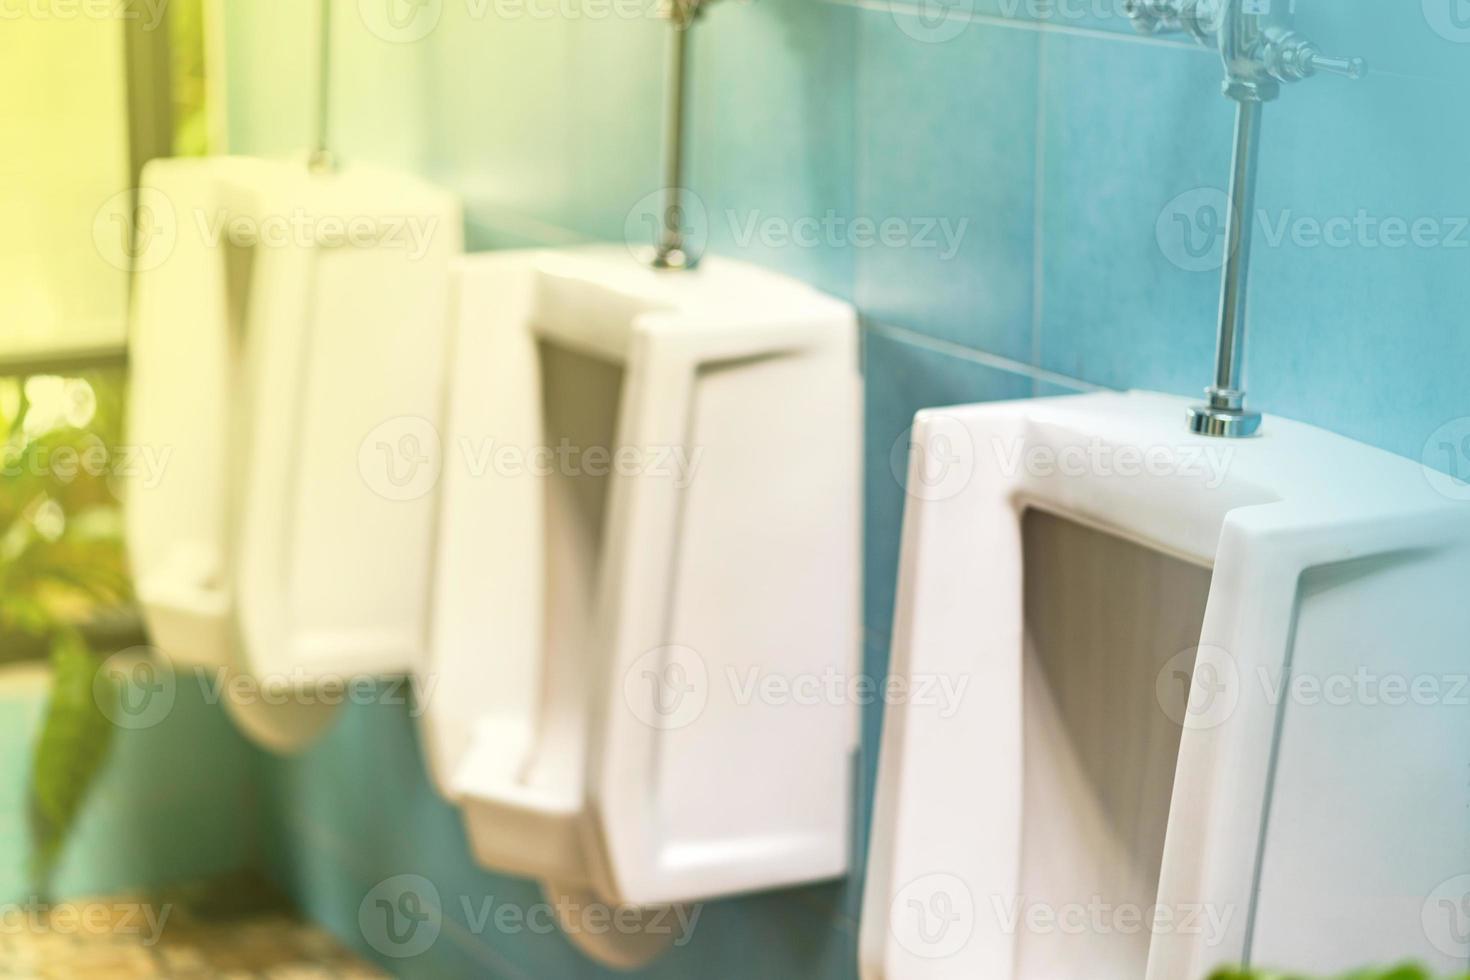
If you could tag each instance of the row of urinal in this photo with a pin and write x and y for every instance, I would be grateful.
(579, 499)
(334, 507)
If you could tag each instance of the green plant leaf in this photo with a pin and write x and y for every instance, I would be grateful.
(1404, 972)
(61, 567)
(73, 745)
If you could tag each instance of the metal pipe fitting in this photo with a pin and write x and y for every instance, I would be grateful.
(321, 159)
(1260, 53)
(670, 251)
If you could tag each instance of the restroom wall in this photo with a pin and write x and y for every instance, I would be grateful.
(169, 805)
(1087, 167)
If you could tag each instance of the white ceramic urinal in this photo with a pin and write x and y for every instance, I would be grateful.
(1180, 744)
(650, 505)
(289, 327)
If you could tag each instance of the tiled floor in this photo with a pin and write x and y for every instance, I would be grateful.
(232, 929)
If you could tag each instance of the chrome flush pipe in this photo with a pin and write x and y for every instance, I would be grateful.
(670, 252)
(1224, 413)
(321, 159)
(1260, 53)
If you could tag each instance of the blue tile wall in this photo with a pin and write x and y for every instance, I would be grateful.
(1115, 307)
(1086, 165)
(929, 114)
(171, 802)
(358, 809)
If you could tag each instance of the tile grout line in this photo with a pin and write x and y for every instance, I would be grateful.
(547, 234)
(985, 358)
(857, 193)
(1038, 192)
(862, 794)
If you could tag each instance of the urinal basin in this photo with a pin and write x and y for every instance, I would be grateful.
(192, 621)
(576, 605)
(288, 321)
(1131, 605)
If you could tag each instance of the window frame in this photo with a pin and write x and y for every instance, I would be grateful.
(148, 80)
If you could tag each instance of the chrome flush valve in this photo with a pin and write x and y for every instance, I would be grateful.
(1193, 17)
(1260, 52)
(1259, 48)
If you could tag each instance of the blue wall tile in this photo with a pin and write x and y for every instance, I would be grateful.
(780, 200)
(171, 802)
(1354, 326)
(947, 134)
(1137, 142)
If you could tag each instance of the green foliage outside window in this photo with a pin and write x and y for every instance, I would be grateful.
(63, 577)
